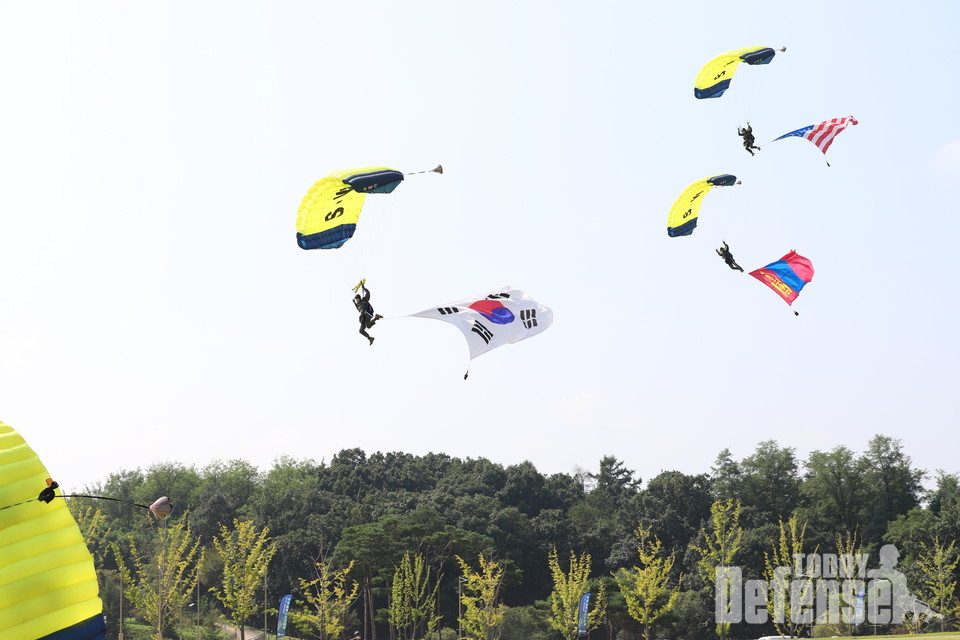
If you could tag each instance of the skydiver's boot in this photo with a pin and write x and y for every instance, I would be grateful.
(371, 341)
(379, 317)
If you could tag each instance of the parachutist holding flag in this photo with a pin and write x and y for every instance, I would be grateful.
(368, 318)
(724, 252)
(748, 139)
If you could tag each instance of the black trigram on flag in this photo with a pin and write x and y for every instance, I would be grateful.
(482, 331)
(448, 310)
(498, 296)
(529, 318)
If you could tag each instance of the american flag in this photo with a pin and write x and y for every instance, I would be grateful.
(822, 134)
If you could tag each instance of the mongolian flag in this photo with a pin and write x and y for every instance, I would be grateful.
(786, 276)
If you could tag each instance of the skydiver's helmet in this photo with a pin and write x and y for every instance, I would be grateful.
(357, 301)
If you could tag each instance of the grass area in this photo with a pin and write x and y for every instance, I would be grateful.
(948, 635)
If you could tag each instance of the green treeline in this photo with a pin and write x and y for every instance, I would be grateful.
(439, 524)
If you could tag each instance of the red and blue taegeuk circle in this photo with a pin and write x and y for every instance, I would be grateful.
(493, 311)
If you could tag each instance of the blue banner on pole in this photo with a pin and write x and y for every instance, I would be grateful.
(582, 614)
(858, 609)
(282, 615)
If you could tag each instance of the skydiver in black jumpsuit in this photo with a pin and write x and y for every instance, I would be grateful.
(724, 252)
(748, 140)
(367, 317)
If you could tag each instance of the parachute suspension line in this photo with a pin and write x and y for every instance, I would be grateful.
(724, 219)
(754, 86)
(749, 91)
(75, 495)
(80, 495)
(379, 214)
(437, 169)
(161, 507)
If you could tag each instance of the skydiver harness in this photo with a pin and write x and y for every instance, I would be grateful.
(365, 309)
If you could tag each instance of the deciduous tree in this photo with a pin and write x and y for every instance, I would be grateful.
(568, 587)
(834, 489)
(646, 587)
(480, 597)
(937, 565)
(161, 579)
(892, 486)
(413, 602)
(246, 552)
(787, 588)
(329, 597)
(721, 542)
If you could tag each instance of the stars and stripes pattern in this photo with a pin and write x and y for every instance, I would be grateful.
(822, 134)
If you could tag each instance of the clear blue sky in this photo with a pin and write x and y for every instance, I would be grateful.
(156, 307)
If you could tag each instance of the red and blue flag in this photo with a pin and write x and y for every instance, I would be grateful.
(787, 276)
(822, 134)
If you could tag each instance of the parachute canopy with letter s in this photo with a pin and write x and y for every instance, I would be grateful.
(684, 213)
(328, 213)
(715, 76)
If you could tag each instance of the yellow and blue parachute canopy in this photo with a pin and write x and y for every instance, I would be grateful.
(715, 76)
(328, 214)
(48, 584)
(685, 211)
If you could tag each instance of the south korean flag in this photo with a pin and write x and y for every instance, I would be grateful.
(493, 319)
